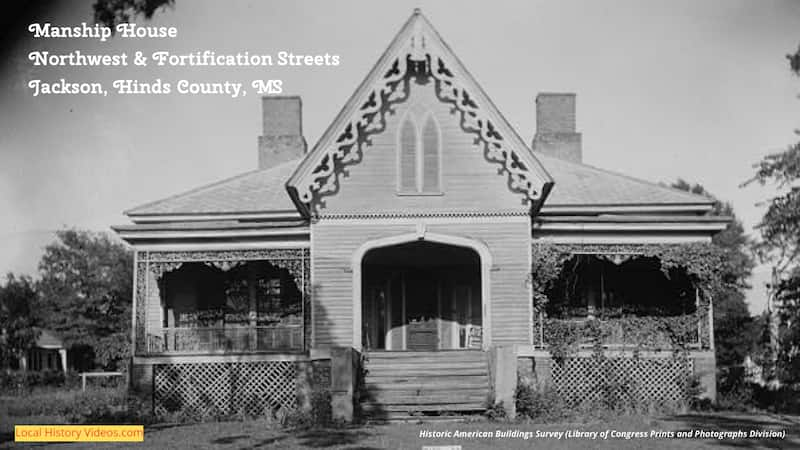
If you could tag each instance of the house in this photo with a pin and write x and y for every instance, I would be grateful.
(398, 262)
(48, 353)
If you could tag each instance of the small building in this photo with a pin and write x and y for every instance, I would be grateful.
(49, 353)
(409, 234)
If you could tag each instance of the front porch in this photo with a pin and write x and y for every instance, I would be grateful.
(621, 301)
(221, 302)
(421, 296)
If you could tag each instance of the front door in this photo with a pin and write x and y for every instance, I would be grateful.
(422, 311)
(421, 296)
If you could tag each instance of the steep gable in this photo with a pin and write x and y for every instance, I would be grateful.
(417, 56)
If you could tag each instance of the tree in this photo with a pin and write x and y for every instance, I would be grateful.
(734, 329)
(113, 12)
(86, 287)
(780, 245)
(17, 318)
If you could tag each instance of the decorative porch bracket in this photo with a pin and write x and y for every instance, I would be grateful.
(152, 265)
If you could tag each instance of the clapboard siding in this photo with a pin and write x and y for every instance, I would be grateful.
(335, 242)
(468, 183)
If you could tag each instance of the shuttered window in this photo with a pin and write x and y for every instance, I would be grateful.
(430, 159)
(408, 157)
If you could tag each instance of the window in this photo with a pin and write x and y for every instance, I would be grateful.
(430, 159)
(408, 157)
(269, 299)
(419, 158)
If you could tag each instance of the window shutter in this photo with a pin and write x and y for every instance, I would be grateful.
(430, 162)
(408, 157)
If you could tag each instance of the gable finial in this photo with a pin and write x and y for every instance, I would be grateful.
(417, 11)
(417, 41)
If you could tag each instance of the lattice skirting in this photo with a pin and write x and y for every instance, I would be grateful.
(211, 389)
(622, 381)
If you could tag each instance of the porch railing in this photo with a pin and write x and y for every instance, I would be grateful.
(227, 339)
(646, 332)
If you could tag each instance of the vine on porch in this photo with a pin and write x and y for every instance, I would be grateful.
(702, 262)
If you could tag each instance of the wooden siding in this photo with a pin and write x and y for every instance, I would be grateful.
(335, 241)
(468, 182)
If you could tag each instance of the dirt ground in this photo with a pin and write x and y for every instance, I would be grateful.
(257, 435)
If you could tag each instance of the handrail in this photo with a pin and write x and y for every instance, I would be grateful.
(236, 338)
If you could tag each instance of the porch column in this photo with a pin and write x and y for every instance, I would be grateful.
(153, 310)
(711, 323)
(148, 313)
(62, 352)
(252, 307)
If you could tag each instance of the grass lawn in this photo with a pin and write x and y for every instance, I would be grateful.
(258, 435)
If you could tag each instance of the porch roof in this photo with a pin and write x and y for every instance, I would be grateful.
(296, 228)
(48, 339)
(648, 218)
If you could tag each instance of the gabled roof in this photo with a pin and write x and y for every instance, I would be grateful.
(417, 52)
(251, 192)
(48, 339)
(316, 175)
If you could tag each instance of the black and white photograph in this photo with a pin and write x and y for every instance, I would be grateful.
(435, 225)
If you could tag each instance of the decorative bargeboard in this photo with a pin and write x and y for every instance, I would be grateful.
(422, 59)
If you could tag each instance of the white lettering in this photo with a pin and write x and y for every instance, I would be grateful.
(84, 30)
(63, 87)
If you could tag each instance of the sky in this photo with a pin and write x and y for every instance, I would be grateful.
(694, 89)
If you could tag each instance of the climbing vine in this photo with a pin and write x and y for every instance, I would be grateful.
(703, 263)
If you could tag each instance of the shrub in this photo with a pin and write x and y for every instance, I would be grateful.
(542, 402)
(320, 414)
(95, 406)
(784, 399)
(18, 382)
(539, 401)
(495, 411)
(736, 398)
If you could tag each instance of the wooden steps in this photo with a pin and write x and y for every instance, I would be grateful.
(424, 385)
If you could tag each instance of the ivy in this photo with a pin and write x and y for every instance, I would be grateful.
(704, 263)
(670, 333)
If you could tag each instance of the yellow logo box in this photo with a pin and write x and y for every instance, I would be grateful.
(78, 433)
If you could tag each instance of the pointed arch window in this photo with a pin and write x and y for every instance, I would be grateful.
(419, 158)
(408, 157)
(430, 156)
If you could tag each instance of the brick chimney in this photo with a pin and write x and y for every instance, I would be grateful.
(555, 127)
(283, 131)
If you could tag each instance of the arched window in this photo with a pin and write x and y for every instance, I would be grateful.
(430, 159)
(419, 159)
(408, 157)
